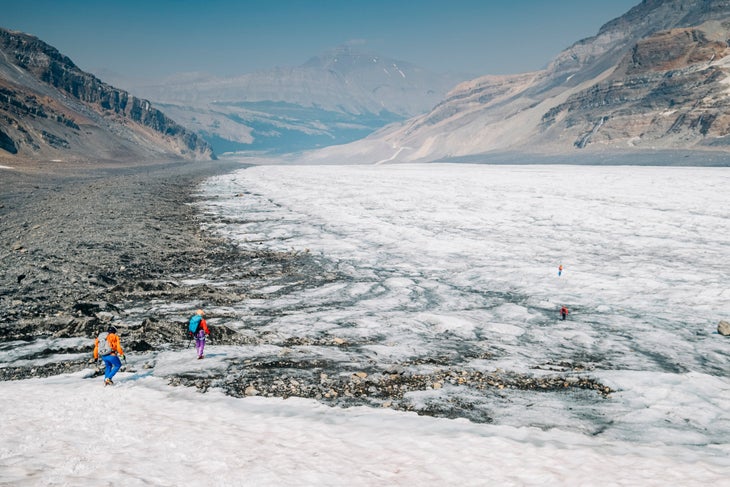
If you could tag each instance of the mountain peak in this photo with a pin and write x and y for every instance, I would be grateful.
(338, 96)
(346, 59)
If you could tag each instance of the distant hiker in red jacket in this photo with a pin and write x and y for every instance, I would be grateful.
(564, 312)
(198, 328)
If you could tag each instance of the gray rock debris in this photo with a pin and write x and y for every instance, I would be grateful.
(723, 328)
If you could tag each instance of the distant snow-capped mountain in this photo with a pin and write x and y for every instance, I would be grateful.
(337, 97)
(654, 78)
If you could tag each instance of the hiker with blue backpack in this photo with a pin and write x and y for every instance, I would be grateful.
(109, 349)
(198, 329)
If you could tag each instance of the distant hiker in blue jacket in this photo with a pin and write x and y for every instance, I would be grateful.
(198, 328)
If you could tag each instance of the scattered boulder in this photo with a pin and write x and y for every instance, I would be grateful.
(139, 346)
(87, 326)
(91, 308)
(723, 328)
(223, 335)
(105, 316)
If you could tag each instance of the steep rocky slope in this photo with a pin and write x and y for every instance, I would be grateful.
(653, 79)
(50, 109)
(670, 90)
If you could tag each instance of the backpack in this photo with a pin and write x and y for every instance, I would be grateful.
(194, 324)
(104, 347)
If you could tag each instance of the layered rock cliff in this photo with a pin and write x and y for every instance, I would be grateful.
(50, 109)
(669, 90)
(656, 78)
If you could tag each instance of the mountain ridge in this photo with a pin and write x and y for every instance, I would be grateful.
(50, 109)
(335, 97)
(586, 100)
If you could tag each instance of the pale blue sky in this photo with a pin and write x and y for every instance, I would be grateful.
(152, 38)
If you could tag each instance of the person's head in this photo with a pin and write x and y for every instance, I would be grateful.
(111, 329)
(200, 312)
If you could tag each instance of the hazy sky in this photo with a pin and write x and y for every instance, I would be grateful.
(151, 38)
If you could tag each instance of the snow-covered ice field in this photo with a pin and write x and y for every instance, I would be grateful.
(455, 262)
(71, 431)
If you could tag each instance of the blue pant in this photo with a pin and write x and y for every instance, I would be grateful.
(112, 364)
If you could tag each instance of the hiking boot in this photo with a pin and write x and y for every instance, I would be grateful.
(108, 382)
(199, 357)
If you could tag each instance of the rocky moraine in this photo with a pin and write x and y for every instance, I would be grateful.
(85, 246)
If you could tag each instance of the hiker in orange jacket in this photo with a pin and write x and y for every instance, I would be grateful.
(108, 347)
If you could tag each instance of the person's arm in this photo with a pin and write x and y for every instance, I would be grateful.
(205, 327)
(96, 348)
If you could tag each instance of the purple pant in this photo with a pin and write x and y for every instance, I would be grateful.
(200, 342)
